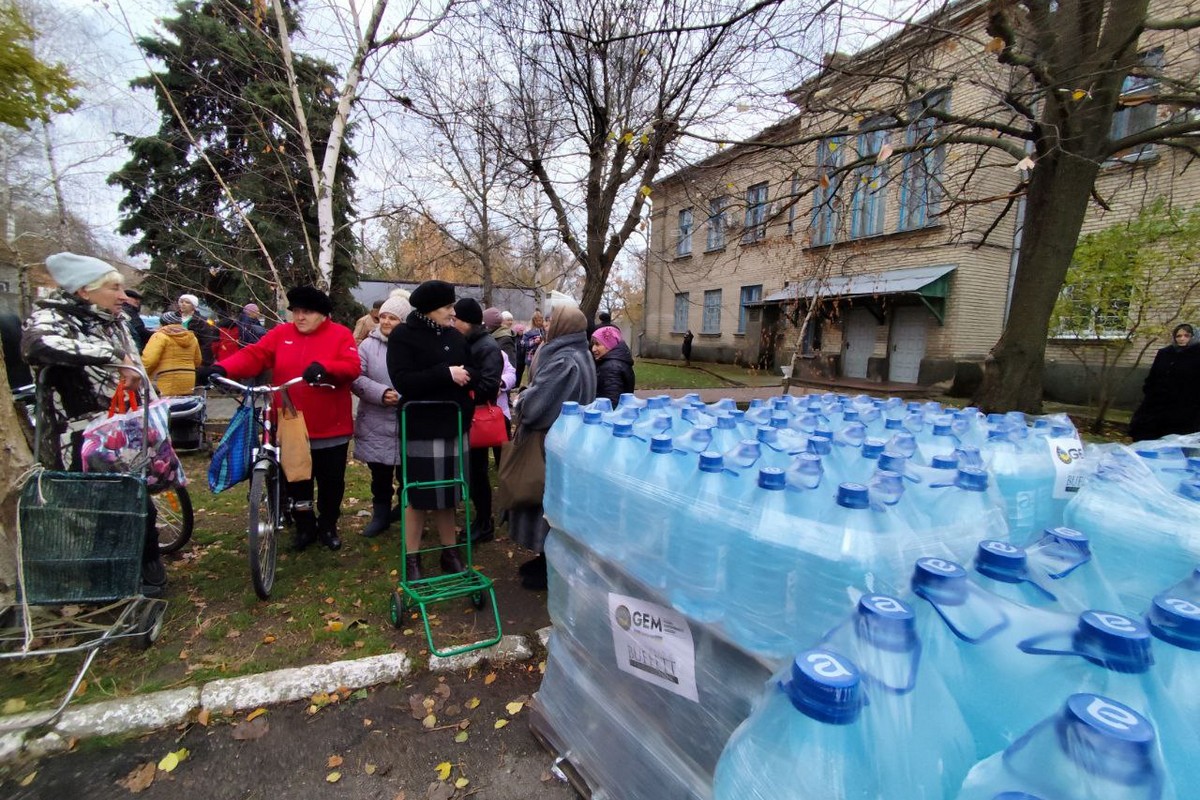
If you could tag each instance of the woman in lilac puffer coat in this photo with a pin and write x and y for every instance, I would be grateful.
(377, 427)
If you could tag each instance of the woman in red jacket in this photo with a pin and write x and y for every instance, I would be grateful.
(318, 349)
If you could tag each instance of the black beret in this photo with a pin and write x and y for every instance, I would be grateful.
(309, 298)
(431, 295)
(468, 310)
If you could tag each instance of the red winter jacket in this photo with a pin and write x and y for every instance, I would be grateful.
(287, 352)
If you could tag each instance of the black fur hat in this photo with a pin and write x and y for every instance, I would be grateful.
(309, 298)
(432, 295)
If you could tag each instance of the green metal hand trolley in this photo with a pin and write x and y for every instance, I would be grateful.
(421, 593)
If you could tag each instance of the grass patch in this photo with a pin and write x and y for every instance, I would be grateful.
(660, 375)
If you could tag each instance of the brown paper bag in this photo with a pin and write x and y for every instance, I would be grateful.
(294, 454)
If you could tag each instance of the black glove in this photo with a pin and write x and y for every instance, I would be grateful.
(204, 375)
(314, 373)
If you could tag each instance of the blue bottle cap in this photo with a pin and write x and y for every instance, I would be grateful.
(1175, 620)
(1190, 489)
(772, 479)
(726, 404)
(571, 408)
(780, 403)
(658, 401)
(873, 448)
(757, 402)
(711, 461)
(689, 414)
(593, 417)
(887, 622)
(1152, 455)
(602, 404)
(973, 479)
(661, 443)
(890, 424)
(825, 686)
(737, 414)
(942, 429)
(1001, 561)
(893, 461)
(1059, 429)
(904, 441)
(726, 422)
(627, 399)
(766, 434)
(888, 486)
(1066, 535)
(944, 462)
(850, 415)
(853, 495)
(1113, 641)
(780, 419)
(968, 456)
(940, 580)
(691, 397)
(1193, 464)
(807, 463)
(821, 433)
(1107, 737)
(820, 446)
(623, 430)
(994, 418)
(1015, 416)
(913, 406)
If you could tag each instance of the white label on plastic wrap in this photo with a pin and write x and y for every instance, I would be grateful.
(1067, 454)
(653, 643)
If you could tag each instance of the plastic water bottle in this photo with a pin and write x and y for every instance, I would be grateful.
(862, 468)
(725, 434)
(1025, 480)
(1003, 569)
(657, 481)
(963, 511)
(1062, 562)
(906, 693)
(804, 477)
(612, 492)
(695, 439)
(1094, 748)
(698, 547)
(1174, 621)
(628, 400)
(567, 499)
(937, 440)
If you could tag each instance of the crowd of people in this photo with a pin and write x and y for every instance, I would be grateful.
(421, 365)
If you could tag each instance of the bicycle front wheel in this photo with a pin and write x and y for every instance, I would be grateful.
(263, 527)
(174, 520)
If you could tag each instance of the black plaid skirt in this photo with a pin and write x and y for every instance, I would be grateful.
(433, 460)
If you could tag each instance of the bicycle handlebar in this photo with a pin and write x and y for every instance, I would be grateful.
(265, 389)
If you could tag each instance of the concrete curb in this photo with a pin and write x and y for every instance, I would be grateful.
(150, 712)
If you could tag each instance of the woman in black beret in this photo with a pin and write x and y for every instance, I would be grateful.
(428, 360)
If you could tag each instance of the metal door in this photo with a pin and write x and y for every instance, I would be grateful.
(859, 342)
(907, 346)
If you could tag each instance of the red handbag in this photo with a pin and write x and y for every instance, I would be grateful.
(487, 427)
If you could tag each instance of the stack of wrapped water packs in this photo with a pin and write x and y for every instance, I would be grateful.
(911, 555)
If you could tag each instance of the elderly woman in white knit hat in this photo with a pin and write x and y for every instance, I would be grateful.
(377, 427)
(204, 328)
(79, 342)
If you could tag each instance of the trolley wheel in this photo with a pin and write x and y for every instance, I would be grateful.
(174, 521)
(479, 600)
(150, 623)
(396, 609)
(263, 528)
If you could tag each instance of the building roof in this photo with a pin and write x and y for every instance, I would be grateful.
(867, 284)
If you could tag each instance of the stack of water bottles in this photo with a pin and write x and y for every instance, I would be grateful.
(954, 638)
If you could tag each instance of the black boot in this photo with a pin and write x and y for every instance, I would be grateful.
(306, 529)
(380, 520)
(482, 530)
(412, 568)
(327, 533)
(533, 574)
(452, 561)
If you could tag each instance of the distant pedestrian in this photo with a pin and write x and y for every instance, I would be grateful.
(614, 364)
(133, 309)
(367, 322)
(171, 356)
(531, 340)
(687, 348)
(250, 326)
(500, 324)
(195, 321)
(1171, 389)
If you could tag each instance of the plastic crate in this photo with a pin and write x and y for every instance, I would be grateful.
(82, 537)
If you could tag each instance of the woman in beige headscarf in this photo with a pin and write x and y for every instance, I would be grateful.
(563, 370)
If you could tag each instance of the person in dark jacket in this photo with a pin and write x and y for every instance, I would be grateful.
(133, 309)
(249, 323)
(427, 361)
(500, 324)
(614, 364)
(1171, 390)
(687, 348)
(486, 365)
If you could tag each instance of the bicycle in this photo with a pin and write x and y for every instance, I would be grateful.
(269, 508)
(174, 521)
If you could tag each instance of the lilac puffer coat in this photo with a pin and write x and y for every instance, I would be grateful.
(376, 427)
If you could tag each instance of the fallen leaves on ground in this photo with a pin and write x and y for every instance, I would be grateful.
(203, 716)
(28, 779)
(249, 731)
(140, 778)
(489, 679)
(334, 762)
(460, 737)
(333, 777)
(473, 703)
(255, 714)
(514, 707)
(500, 723)
(171, 760)
(14, 705)
(443, 770)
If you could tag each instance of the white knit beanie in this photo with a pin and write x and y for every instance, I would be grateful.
(72, 272)
(397, 306)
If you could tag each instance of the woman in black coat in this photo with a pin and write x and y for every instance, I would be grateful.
(1171, 390)
(486, 365)
(427, 360)
(614, 364)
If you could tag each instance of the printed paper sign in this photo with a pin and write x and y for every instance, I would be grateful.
(1067, 454)
(654, 644)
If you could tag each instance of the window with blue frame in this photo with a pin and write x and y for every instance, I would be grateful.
(1138, 111)
(680, 322)
(826, 213)
(750, 294)
(867, 196)
(755, 228)
(683, 247)
(715, 239)
(712, 312)
(921, 179)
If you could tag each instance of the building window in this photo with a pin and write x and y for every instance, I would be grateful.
(750, 294)
(4, 287)
(715, 239)
(866, 199)
(755, 228)
(1093, 309)
(712, 312)
(921, 180)
(680, 323)
(1138, 110)
(793, 199)
(827, 195)
(683, 247)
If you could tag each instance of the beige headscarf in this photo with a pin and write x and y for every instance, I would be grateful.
(566, 319)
